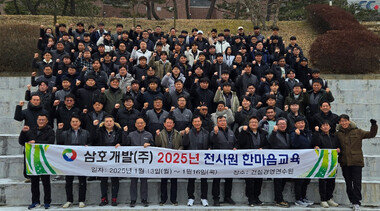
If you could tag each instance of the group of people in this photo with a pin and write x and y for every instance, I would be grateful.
(143, 87)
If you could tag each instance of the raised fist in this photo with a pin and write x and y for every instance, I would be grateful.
(29, 86)
(125, 128)
(187, 130)
(112, 74)
(146, 105)
(316, 128)
(21, 103)
(56, 102)
(35, 55)
(216, 129)
(373, 122)
(85, 111)
(95, 122)
(54, 89)
(77, 83)
(59, 72)
(275, 128)
(158, 132)
(102, 90)
(327, 90)
(263, 79)
(245, 127)
(240, 108)
(34, 74)
(298, 132)
(117, 105)
(25, 128)
(304, 90)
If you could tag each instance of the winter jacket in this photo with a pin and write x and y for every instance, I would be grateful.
(44, 135)
(162, 140)
(248, 140)
(68, 137)
(30, 114)
(110, 98)
(279, 140)
(196, 140)
(224, 139)
(168, 81)
(161, 67)
(126, 117)
(227, 113)
(302, 141)
(234, 100)
(138, 138)
(104, 138)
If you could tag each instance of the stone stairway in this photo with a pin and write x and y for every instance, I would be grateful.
(358, 98)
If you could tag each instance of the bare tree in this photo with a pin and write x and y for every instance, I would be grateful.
(175, 9)
(72, 7)
(154, 11)
(211, 9)
(187, 7)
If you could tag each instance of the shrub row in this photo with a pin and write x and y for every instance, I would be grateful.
(345, 46)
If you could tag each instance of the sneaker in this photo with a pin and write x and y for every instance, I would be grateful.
(27, 180)
(229, 201)
(82, 204)
(300, 203)
(67, 205)
(47, 206)
(282, 204)
(175, 203)
(114, 202)
(257, 202)
(91, 179)
(161, 203)
(356, 207)
(132, 204)
(34, 205)
(204, 202)
(190, 202)
(332, 203)
(145, 203)
(307, 201)
(324, 204)
(104, 202)
(216, 203)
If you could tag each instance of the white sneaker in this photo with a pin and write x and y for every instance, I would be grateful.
(332, 203)
(67, 205)
(356, 207)
(190, 202)
(81, 204)
(324, 204)
(300, 203)
(204, 202)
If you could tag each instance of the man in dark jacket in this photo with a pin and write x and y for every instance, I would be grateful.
(169, 138)
(251, 137)
(317, 96)
(222, 138)
(139, 137)
(31, 113)
(325, 140)
(74, 136)
(196, 138)
(156, 116)
(244, 112)
(108, 133)
(126, 115)
(301, 139)
(181, 114)
(112, 96)
(64, 112)
(90, 116)
(351, 157)
(326, 114)
(202, 95)
(43, 134)
(46, 96)
(279, 139)
(85, 96)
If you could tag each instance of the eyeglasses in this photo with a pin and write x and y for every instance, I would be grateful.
(69, 100)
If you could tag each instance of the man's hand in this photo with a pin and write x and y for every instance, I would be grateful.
(216, 129)
(85, 111)
(21, 103)
(172, 108)
(146, 105)
(146, 145)
(187, 130)
(240, 108)
(95, 122)
(298, 132)
(316, 147)
(128, 88)
(56, 102)
(102, 90)
(84, 68)
(196, 80)
(143, 77)
(35, 55)
(245, 127)
(338, 150)
(316, 128)
(234, 66)
(373, 122)
(125, 128)
(275, 128)
(158, 132)
(54, 89)
(327, 90)
(304, 90)
(34, 74)
(31, 142)
(117, 105)
(117, 145)
(286, 108)
(59, 72)
(60, 125)
(263, 79)
(25, 128)
(77, 83)
(29, 87)
(189, 73)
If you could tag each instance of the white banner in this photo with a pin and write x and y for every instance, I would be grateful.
(153, 162)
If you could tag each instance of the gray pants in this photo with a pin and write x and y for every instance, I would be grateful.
(143, 189)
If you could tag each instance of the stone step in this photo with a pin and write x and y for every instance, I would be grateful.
(154, 207)
(13, 165)
(12, 191)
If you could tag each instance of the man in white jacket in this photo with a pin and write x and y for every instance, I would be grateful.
(143, 51)
(221, 45)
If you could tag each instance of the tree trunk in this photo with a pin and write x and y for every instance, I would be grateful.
(211, 9)
(64, 11)
(72, 7)
(16, 7)
(269, 9)
(175, 9)
(148, 10)
(154, 12)
(237, 11)
(277, 12)
(187, 7)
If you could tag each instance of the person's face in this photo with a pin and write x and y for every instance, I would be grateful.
(90, 82)
(123, 60)
(158, 30)
(143, 45)
(60, 46)
(274, 87)
(194, 47)
(150, 72)
(140, 124)
(226, 89)
(238, 59)
(221, 38)
(303, 63)
(269, 76)
(271, 102)
(65, 38)
(258, 58)
(229, 51)
(200, 36)
(182, 60)
(178, 86)
(294, 108)
(172, 32)
(316, 75)
(256, 31)
(101, 49)
(153, 86)
(135, 87)
(248, 69)
(291, 75)
(122, 47)
(300, 125)
(198, 71)
(204, 85)
(270, 114)
(222, 123)
(325, 128)
(246, 103)
(101, 27)
(66, 84)
(163, 57)
(47, 56)
(253, 124)
(220, 107)
(145, 35)
(66, 61)
(138, 29)
(43, 87)
(124, 36)
(107, 58)
(225, 77)
(109, 123)
(123, 71)
(97, 106)
(80, 28)
(202, 58)
(253, 40)
(203, 110)
(251, 89)
(142, 62)
(48, 71)
(344, 123)
(42, 121)
(86, 38)
(35, 101)
(163, 40)
(197, 123)
(71, 71)
(114, 84)
(128, 104)
(159, 48)
(275, 41)
(213, 34)
(226, 33)
(96, 65)
(157, 104)
(296, 51)
(81, 47)
(69, 102)
(325, 107)
(282, 125)
(169, 124)
(293, 42)
(119, 29)
(259, 46)
(317, 87)
(281, 62)
(212, 50)
(107, 37)
(275, 32)
(87, 54)
(75, 123)
(181, 102)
